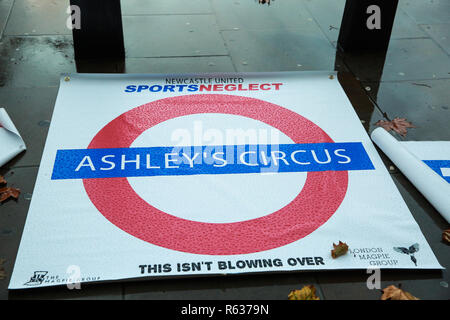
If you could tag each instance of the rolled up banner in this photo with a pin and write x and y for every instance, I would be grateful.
(432, 186)
(11, 143)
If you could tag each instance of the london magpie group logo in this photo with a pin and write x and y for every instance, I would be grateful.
(409, 251)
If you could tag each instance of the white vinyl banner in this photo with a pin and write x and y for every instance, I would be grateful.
(11, 143)
(425, 163)
(202, 174)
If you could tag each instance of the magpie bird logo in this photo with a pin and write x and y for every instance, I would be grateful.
(409, 251)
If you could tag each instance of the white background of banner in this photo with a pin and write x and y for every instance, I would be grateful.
(64, 228)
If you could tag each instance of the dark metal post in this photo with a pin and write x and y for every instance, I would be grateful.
(355, 35)
(100, 34)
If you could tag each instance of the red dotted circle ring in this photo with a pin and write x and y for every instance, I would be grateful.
(320, 197)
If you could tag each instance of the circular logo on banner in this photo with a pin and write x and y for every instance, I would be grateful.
(320, 197)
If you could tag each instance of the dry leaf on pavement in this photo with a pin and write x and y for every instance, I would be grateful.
(399, 125)
(2, 180)
(446, 236)
(339, 249)
(8, 192)
(2, 270)
(394, 293)
(306, 293)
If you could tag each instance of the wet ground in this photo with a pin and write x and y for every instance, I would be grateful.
(411, 80)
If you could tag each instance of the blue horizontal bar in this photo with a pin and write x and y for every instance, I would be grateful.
(437, 165)
(225, 159)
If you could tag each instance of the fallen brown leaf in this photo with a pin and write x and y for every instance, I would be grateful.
(2, 180)
(8, 192)
(446, 236)
(306, 293)
(399, 125)
(394, 293)
(2, 270)
(339, 249)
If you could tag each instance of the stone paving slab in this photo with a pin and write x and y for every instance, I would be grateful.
(5, 10)
(279, 50)
(172, 36)
(34, 61)
(330, 20)
(31, 110)
(427, 11)
(244, 14)
(149, 7)
(425, 103)
(179, 65)
(406, 59)
(439, 33)
(43, 17)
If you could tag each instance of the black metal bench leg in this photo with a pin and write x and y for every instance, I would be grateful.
(100, 34)
(356, 35)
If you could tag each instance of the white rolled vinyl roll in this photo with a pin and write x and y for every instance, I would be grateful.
(435, 189)
(11, 143)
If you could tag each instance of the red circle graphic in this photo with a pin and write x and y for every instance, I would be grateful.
(322, 193)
